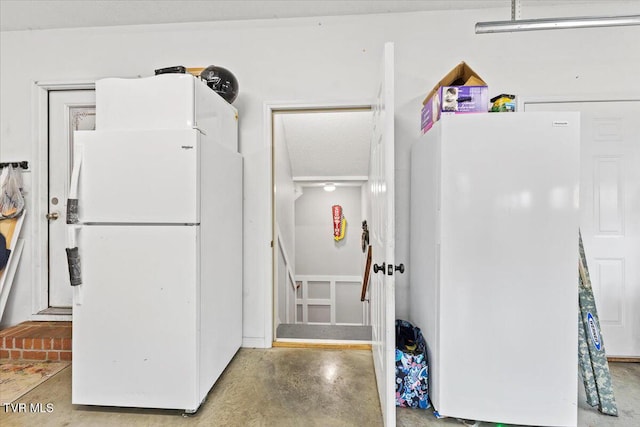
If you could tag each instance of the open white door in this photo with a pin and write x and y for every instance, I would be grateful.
(382, 230)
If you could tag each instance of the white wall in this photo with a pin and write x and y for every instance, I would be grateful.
(316, 250)
(366, 215)
(281, 285)
(318, 253)
(319, 60)
(284, 200)
(284, 190)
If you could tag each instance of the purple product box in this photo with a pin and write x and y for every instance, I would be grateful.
(453, 100)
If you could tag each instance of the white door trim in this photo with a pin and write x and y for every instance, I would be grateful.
(269, 108)
(40, 172)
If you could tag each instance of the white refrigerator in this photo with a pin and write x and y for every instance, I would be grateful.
(158, 314)
(493, 261)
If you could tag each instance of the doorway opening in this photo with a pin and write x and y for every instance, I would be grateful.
(320, 170)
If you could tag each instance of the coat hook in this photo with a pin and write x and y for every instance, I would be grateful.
(22, 164)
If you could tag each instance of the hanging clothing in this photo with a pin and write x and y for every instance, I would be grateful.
(4, 252)
(11, 199)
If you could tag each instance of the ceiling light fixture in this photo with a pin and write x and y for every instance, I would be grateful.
(517, 24)
(329, 187)
(555, 23)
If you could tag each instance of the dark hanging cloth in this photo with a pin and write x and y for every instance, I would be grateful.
(4, 252)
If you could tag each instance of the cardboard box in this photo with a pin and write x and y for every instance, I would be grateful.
(460, 91)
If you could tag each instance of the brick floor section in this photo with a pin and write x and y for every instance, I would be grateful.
(36, 341)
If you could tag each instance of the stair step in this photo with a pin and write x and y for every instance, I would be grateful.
(36, 341)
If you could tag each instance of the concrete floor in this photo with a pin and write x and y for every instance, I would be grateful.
(626, 386)
(290, 387)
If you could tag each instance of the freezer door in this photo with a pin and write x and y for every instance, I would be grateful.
(135, 177)
(508, 269)
(164, 101)
(135, 332)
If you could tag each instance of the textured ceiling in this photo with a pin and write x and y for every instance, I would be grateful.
(18, 15)
(46, 14)
(327, 144)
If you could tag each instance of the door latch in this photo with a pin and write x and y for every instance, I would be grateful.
(390, 269)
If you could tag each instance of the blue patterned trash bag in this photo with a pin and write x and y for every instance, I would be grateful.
(412, 368)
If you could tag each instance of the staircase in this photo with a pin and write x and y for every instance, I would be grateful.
(36, 341)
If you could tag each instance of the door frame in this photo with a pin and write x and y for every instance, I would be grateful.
(268, 111)
(39, 189)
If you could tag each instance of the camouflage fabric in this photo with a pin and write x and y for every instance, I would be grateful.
(586, 370)
(595, 343)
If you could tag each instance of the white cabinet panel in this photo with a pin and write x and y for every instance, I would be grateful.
(608, 196)
(609, 290)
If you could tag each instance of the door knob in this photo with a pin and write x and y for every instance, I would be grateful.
(377, 268)
(400, 268)
(52, 216)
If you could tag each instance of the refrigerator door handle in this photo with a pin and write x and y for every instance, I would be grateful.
(73, 255)
(72, 200)
(73, 262)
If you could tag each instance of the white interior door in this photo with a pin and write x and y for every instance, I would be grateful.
(69, 110)
(610, 214)
(382, 235)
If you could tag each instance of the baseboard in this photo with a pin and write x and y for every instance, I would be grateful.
(322, 344)
(624, 359)
(251, 342)
(57, 311)
(46, 317)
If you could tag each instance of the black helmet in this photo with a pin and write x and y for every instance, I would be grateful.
(222, 81)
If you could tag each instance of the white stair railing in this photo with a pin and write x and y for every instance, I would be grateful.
(334, 300)
(290, 290)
